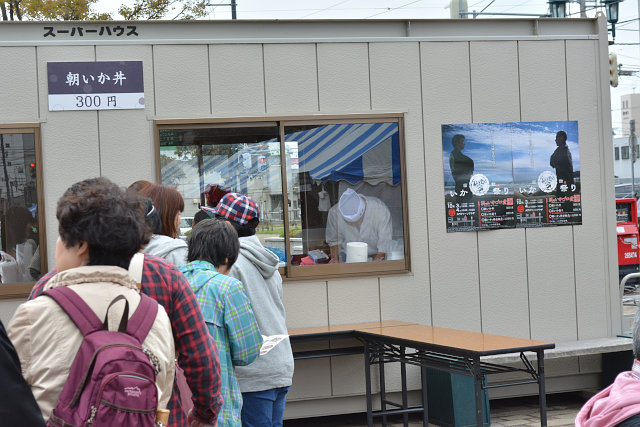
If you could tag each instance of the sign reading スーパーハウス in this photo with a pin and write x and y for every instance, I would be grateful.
(508, 175)
(113, 85)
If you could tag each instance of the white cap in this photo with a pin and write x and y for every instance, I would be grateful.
(351, 205)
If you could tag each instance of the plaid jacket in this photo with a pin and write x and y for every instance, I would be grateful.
(229, 316)
(197, 354)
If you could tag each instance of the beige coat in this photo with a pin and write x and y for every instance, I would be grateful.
(47, 340)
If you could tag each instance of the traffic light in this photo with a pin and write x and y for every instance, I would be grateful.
(613, 69)
(32, 170)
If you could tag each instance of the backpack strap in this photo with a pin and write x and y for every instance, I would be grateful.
(143, 318)
(75, 307)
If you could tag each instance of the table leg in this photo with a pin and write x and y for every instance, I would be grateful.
(403, 377)
(367, 382)
(383, 391)
(425, 400)
(541, 389)
(477, 382)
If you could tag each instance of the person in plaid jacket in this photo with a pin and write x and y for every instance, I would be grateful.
(213, 248)
(197, 354)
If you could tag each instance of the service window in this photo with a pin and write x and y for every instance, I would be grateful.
(22, 262)
(330, 191)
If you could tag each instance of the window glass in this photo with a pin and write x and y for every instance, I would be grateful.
(20, 260)
(204, 164)
(617, 153)
(348, 189)
(625, 152)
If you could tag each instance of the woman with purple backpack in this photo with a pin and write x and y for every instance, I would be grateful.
(100, 228)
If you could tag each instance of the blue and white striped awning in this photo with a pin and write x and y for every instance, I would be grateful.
(335, 152)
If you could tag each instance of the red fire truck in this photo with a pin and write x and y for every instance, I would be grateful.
(627, 229)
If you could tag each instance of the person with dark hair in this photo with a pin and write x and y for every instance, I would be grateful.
(265, 383)
(100, 227)
(17, 254)
(169, 204)
(618, 404)
(461, 168)
(212, 195)
(196, 354)
(563, 163)
(213, 249)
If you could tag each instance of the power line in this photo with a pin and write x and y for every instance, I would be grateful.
(326, 8)
(389, 9)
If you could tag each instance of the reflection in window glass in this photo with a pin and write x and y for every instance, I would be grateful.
(19, 234)
(204, 164)
(348, 192)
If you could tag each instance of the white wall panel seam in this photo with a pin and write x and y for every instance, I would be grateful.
(479, 278)
(315, 45)
(209, 79)
(526, 246)
(264, 78)
(153, 70)
(573, 235)
(37, 100)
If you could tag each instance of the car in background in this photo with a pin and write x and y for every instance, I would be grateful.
(186, 222)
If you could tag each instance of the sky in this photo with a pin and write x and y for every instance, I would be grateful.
(627, 34)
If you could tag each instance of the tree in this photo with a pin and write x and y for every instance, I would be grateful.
(158, 9)
(61, 10)
(14, 10)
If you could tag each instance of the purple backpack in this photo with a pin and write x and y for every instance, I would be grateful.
(112, 381)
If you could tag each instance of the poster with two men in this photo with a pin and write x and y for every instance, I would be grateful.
(508, 175)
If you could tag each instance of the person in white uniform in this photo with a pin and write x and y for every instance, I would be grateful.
(356, 218)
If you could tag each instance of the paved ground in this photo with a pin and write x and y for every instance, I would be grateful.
(562, 410)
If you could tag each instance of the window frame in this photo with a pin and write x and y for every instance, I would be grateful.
(21, 290)
(323, 271)
(625, 152)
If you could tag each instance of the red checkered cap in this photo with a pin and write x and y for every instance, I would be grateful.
(238, 208)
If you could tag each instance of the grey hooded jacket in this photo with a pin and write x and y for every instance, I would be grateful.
(257, 269)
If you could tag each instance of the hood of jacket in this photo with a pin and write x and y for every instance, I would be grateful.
(614, 404)
(161, 245)
(264, 260)
(193, 268)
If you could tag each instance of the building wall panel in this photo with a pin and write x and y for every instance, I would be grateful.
(20, 85)
(291, 78)
(501, 253)
(395, 73)
(343, 77)
(181, 75)
(237, 79)
(590, 239)
(453, 257)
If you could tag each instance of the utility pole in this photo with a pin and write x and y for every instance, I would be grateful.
(233, 5)
(583, 9)
(632, 142)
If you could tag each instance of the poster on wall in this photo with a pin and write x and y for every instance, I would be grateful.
(508, 175)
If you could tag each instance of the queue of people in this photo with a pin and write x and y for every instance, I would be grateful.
(211, 303)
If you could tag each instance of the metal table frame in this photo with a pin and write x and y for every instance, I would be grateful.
(379, 348)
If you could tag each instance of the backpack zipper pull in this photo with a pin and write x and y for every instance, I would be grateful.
(153, 359)
(94, 410)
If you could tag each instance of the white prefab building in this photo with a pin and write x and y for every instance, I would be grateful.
(231, 99)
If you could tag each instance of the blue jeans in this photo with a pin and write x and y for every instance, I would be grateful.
(264, 408)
